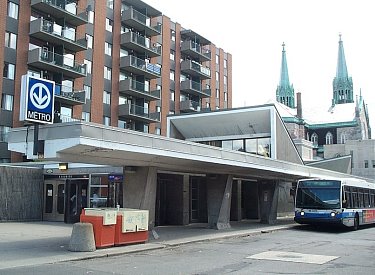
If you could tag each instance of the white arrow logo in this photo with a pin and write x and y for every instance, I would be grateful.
(37, 98)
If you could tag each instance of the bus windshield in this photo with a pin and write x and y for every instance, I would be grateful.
(318, 194)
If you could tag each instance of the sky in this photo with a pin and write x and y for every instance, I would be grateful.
(253, 31)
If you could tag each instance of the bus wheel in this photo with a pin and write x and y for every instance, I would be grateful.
(356, 222)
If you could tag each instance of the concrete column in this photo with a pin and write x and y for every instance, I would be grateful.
(219, 189)
(268, 202)
(235, 209)
(186, 200)
(140, 190)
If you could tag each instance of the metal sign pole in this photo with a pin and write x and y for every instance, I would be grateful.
(36, 139)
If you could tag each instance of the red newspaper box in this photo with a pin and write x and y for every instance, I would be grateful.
(131, 226)
(103, 222)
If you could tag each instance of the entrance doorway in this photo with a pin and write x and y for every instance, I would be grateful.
(54, 203)
(75, 199)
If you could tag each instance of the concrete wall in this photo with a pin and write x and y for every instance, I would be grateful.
(21, 194)
(140, 190)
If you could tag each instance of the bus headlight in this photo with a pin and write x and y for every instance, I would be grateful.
(302, 213)
(333, 214)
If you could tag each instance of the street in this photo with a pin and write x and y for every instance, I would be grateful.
(298, 250)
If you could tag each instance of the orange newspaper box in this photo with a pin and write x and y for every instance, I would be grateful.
(103, 222)
(131, 226)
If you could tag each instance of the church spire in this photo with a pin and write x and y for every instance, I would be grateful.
(285, 91)
(342, 83)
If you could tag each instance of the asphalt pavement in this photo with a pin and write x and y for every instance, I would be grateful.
(35, 243)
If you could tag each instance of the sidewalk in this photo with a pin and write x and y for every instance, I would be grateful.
(34, 243)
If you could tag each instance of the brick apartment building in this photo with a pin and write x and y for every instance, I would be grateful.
(114, 62)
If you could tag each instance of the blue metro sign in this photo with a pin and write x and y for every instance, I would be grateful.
(37, 99)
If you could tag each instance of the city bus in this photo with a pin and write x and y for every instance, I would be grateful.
(348, 202)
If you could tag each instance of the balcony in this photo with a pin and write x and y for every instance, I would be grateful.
(137, 113)
(67, 95)
(56, 34)
(60, 118)
(49, 61)
(195, 50)
(195, 69)
(140, 44)
(194, 88)
(138, 89)
(189, 106)
(61, 10)
(140, 22)
(138, 66)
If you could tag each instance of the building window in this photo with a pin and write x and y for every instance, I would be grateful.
(13, 10)
(173, 35)
(217, 76)
(329, 138)
(9, 70)
(106, 121)
(225, 96)
(87, 90)
(4, 131)
(343, 138)
(88, 65)
(172, 95)
(172, 55)
(373, 163)
(217, 93)
(171, 75)
(106, 97)
(314, 139)
(10, 40)
(157, 131)
(90, 17)
(108, 49)
(107, 73)
(7, 102)
(110, 4)
(90, 41)
(121, 124)
(86, 116)
(217, 59)
(225, 80)
(225, 63)
(108, 24)
(366, 163)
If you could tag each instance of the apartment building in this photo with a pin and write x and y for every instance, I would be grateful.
(117, 63)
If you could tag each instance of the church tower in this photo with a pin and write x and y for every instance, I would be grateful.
(285, 91)
(342, 83)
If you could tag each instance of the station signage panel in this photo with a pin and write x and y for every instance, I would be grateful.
(37, 100)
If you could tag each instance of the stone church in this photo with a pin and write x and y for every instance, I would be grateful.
(345, 118)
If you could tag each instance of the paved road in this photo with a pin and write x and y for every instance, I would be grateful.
(298, 250)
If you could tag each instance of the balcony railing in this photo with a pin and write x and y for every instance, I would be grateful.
(61, 9)
(68, 95)
(195, 88)
(195, 50)
(60, 118)
(140, 43)
(47, 60)
(138, 89)
(140, 21)
(139, 66)
(189, 106)
(56, 34)
(138, 112)
(195, 69)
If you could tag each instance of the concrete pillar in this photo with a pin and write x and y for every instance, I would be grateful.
(219, 189)
(140, 190)
(268, 202)
(186, 200)
(235, 209)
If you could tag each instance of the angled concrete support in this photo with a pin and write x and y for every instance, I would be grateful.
(219, 189)
(268, 202)
(140, 190)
